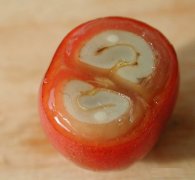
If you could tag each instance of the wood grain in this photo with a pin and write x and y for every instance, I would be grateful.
(30, 31)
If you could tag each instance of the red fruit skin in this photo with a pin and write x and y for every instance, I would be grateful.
(118, 153)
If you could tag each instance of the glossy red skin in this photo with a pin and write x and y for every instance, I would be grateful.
(121, 152)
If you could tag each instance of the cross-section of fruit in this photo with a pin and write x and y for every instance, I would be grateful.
(108, 92)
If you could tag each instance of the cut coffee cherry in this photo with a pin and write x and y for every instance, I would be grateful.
(108, 92)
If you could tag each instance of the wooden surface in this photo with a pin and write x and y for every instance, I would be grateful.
(30, 32)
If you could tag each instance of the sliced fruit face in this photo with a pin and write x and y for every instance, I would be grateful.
(112, 76)
(113, 99)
